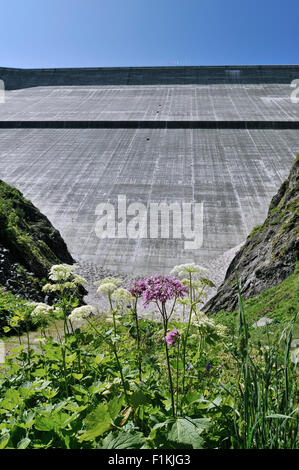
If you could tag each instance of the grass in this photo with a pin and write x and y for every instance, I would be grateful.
(84, 391)
(27, 233)
(280, 303)
(106, 382)
(9, 306)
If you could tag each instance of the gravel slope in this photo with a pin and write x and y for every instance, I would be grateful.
(91, 272)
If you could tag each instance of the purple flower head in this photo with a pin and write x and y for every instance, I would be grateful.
(208, 367)
(188, 367)
(172, 336)
(163, 288)
(137, 288)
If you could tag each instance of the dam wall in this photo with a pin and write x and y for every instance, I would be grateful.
(71, 139)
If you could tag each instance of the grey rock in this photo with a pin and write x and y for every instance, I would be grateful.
(270, 251)
(262, 322)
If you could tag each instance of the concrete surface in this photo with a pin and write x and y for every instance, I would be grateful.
(226, 93)
(68, 171)
(214, 102)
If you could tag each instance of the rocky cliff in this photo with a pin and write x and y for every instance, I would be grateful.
(270, 253)
(29, 244)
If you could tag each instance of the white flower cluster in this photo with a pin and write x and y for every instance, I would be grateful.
(108, 285)
(61, 272)
(108, 280)
(79, 280)
(80, 313)
(207, 325)
(187, 269)
(122, 296)
(64, 277)
(60, 286)
(106, 288)
(41, 309)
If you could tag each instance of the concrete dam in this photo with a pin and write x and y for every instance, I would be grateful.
(220, 137)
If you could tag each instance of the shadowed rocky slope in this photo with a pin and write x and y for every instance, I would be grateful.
(29, 244)
(270, 252)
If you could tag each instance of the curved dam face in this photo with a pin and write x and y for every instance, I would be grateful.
(144, 168)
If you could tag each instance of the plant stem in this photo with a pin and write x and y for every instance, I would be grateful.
(113, 314)
(177, 377)
(165, 322)
(138, 340)
(121, 374)
(114, 350)
(64, 370)
(187, 334)
(28, 344)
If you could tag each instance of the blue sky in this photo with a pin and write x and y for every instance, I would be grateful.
(99, 33)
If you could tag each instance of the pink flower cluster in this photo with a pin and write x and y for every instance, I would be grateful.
(163, 288)
(137, 288)
(171, 337)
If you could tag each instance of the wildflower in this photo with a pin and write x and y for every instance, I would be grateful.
(61, 272)
(49, 288)
(60, 287)
(137, 288)
(122, 295)
(189, 366)
(42, 309)
(109, 280)
(208, 367)
(80, 313)
(221, 330)
(79, 280)
(161, 289)
(203, 322)
(107, 288)
(187, 269)
(171, 337)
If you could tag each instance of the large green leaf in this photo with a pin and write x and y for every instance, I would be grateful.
(123, 440)
(52, 422)
(97, 422)
(188, 431)
(114, 407)
(24, 443)
(12, 400)
(4, 439)
(139, 398)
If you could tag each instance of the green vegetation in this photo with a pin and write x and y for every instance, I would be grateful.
(28, 234)
(121, 380)
(281, 209)
(9, 307)
(280, 303)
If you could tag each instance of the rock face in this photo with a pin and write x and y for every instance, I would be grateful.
(270, 253)
(29, 244)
